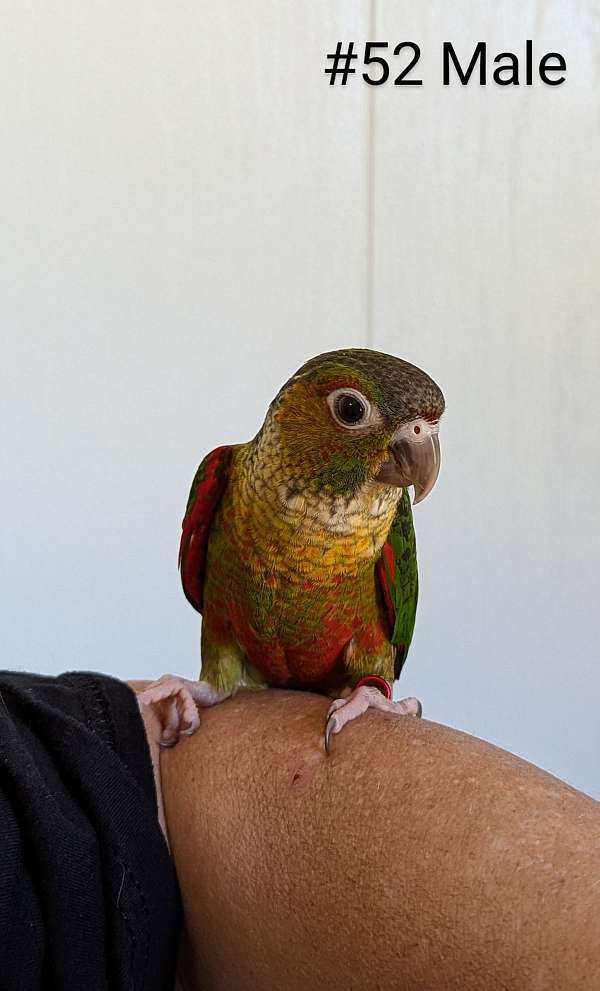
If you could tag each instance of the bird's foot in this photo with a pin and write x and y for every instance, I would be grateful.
(364, 697)
(175, 701)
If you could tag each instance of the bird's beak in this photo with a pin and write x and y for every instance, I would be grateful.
(414, 458)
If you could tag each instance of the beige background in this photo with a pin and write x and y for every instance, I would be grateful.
(189, 211)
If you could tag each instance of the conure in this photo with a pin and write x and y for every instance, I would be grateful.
(298, 547)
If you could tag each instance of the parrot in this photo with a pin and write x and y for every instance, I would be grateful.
(298, 547)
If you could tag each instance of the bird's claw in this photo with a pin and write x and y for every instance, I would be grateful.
(175, 703)
(329, 727)
(359, 701)
(166, 744)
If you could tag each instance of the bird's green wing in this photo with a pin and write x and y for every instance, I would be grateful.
(399, 581)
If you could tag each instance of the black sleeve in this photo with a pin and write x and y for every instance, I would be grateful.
(88, 894)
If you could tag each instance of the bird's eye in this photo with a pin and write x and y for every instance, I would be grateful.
(349, 409)
(352, 410)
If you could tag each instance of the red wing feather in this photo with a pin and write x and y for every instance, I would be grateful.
(386, 563)
(205, 495)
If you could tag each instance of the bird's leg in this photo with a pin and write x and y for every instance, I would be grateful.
(366, 695)
(175, 700)
(369, 650)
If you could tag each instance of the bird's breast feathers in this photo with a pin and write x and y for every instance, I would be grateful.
(281, 524)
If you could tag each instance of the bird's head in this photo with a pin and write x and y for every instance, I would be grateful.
(353, 416)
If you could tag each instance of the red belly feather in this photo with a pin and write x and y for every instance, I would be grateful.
(307, 663)
(303, 664)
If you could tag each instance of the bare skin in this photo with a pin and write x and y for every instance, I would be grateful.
(413, 857)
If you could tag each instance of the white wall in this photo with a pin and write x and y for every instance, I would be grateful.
(189, 211)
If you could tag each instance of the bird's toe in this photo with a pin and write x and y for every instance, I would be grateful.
(331, 727)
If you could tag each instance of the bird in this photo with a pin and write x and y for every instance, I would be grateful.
(298, 547)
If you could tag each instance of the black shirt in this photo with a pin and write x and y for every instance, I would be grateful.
(88, 893)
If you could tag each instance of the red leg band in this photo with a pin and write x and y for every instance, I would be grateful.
(376, 682)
